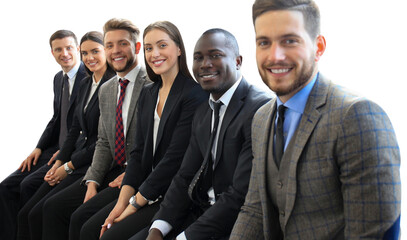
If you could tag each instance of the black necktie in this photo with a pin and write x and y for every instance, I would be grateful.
(63, 132)
(207, 164)
(279, 145)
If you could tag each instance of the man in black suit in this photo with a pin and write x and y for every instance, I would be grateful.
(17, 188)
(205, 196)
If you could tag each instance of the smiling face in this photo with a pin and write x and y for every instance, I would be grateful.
(161, 53)
(286, 55)
(121, 51)
(93, 55)
(215, 64)
(65, 52)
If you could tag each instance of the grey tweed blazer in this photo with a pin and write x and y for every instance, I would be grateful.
(103, 158)
(343, 175)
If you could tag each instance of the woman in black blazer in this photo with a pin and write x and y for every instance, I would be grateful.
(165, 112)
(76, 153)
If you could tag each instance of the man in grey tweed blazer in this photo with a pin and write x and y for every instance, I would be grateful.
(339, 174)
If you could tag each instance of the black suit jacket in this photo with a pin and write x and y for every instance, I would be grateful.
(50, 135)
(80, 142)
(172, 138)
(231, 172)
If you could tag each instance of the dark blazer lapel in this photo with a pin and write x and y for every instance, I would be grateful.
(172, 100)
(309, 120)
(233, 108)
(82, 104)
(81, 74)
(94, 98)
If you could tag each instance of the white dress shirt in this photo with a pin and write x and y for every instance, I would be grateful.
(131, 76)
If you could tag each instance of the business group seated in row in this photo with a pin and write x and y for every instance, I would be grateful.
(160, 153)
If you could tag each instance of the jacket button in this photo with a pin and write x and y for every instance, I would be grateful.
(279, 184)
(282, 213)
(80, 132)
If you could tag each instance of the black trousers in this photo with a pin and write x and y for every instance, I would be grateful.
(121, 230)
(60, 216)
(30, 216)
(16, 190)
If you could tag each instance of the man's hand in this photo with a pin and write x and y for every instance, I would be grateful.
(53, 158)
(31, 159)
(117, 182)
(91, 191)
(155, 234)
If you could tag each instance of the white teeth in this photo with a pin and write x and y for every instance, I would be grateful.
(158, 62)
(92, 64)
(280, 70)
(208, 76)
(118, 59)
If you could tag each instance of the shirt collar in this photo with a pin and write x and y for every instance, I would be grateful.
(131, 76)
(299, 100)
(73, 71)
(94, 83)
(227, 96)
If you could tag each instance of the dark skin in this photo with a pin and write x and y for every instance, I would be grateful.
(216, 67)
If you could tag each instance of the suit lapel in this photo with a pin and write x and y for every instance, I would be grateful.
(79, 76)
(138, 85)
(172, 99)
(82, 104)
(94, 98)
(261, 132)
(112, 103)
(233, 108)
(309, 120)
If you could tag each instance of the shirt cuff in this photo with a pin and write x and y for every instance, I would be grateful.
(163, 226)
(182, 236)
(88, 181)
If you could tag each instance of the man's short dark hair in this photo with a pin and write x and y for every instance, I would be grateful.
(308, 8)
(62, 34)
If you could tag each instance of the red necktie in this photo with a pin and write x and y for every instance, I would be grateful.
(119, 150)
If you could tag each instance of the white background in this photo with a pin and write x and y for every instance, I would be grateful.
(366, 51)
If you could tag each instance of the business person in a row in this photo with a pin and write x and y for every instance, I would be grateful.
(17, 188)
(326, 161)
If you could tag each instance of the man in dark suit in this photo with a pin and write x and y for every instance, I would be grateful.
(17, 188)
(205, 196)
(122, 48)
(326, 162)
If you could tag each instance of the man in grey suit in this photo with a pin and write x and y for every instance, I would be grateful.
(326, 163)
(117, 123)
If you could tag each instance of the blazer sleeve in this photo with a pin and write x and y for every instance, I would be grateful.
(49, 136)
(369, 170)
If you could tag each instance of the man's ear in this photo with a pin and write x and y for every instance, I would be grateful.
(138, 46)
(321, 46)
(239, 60)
